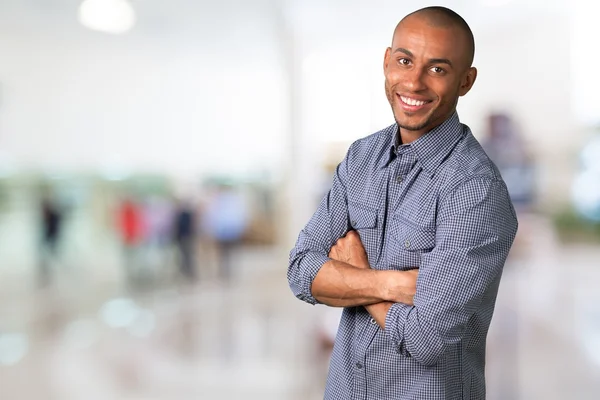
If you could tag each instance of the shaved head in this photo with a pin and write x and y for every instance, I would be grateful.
(442, 17)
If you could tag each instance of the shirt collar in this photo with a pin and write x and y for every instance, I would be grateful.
(433, 147)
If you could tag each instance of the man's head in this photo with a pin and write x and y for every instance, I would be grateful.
(427, 68)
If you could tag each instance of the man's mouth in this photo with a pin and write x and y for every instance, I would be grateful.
(412, 104)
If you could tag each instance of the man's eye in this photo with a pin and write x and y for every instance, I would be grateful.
(403, 61)
(437, 70)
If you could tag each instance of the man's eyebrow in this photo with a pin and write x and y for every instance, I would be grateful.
(440, 61)
(402, 50)
(431, 60)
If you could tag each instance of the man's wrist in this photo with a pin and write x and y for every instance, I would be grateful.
(382, 285)
(394, 286)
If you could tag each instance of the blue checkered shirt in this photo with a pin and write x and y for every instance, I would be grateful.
(439, 204)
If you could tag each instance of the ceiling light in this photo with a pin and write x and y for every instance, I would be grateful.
(108, 16)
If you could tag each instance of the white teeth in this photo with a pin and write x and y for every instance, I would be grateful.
(412, 102)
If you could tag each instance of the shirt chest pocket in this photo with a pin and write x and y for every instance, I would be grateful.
(408, 242)
(363, 220)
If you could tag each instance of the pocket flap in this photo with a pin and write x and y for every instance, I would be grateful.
(362, 217)
(413, 238)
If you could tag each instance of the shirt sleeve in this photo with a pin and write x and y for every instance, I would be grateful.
(327, 225)
(476, 228)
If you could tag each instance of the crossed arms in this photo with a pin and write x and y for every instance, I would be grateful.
(347, 280)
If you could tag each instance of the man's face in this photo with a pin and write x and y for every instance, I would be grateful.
(425, 72)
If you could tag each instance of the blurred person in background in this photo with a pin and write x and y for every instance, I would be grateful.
(158, 216)
(506, 148)
(184, 235)
(413, 235)
(131, 227)
(51, 224)
(226, 220)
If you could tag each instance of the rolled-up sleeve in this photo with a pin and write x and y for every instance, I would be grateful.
(475, 231)
(327, 225)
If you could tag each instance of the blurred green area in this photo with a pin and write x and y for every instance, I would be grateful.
(571, 228)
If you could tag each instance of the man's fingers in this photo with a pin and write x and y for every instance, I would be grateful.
(348, 237)
(333, 253)
(352, 235)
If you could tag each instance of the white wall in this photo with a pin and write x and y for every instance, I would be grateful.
(208, 94)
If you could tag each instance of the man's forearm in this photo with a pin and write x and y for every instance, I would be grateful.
(342, 285)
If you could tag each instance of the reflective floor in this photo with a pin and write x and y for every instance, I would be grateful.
(90, 336)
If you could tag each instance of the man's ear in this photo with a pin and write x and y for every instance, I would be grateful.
(468, 81)
(386, 58)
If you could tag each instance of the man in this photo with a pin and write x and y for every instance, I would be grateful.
(419, 194)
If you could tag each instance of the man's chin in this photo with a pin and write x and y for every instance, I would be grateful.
(411, 125)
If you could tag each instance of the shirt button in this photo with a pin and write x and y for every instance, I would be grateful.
(399, 179)
(373, 321)
(358, 365)
(353, 223)
(407, 244)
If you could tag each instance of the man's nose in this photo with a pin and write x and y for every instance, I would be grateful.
(413, 80)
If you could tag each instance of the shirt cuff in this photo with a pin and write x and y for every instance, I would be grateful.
(310, 265)
(395, 321)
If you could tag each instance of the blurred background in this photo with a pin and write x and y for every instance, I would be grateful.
(158, 159)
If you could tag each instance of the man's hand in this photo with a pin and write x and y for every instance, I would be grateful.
(350, 250)
(401, 286)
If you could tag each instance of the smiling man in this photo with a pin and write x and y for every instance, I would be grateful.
(412, 237)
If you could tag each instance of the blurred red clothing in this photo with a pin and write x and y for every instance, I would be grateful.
(131, 222)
